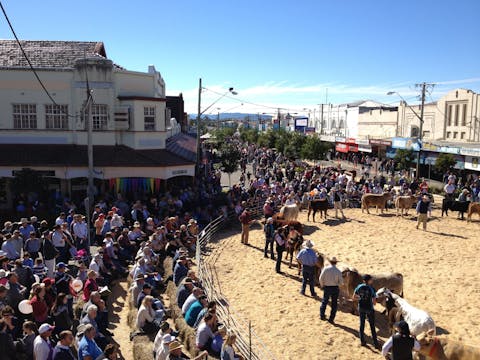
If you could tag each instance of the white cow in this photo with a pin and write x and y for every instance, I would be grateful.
(418, 320)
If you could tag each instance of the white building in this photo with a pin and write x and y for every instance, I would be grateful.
(130, 120)
(342, 120)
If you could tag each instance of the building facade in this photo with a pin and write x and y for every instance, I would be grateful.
(128, 113)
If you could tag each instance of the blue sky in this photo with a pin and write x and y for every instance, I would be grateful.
(276, 53)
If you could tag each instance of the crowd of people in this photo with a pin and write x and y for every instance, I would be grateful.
(285, 182)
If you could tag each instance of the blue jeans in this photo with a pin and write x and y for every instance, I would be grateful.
(370, 315)
(280, 250)
(308, 274)
(330, 292)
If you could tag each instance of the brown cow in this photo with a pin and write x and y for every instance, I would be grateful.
(278, 222)
(380, 201)
(404, 202)
(352, 278)
(443, 348)
(473, 208)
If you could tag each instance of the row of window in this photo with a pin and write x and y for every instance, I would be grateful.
(453, 115)
(56, 116)
(454, 135)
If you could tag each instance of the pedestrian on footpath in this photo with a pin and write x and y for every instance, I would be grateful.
(330, 281)
(308, 259)
(269, 231)
(424, 211)
(366, 297)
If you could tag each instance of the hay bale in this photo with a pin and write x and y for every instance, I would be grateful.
(142, 347)
(188, 336)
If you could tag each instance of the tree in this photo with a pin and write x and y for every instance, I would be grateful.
(404, 159)
(445, 162)
(314, 149)
(230, 157)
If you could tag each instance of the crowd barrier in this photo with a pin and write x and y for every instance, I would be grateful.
(249, 345)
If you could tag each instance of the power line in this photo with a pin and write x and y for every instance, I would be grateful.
(30, 63)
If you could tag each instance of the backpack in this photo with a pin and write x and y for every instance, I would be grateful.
(365, 301)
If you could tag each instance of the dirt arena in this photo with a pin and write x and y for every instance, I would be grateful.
(440, 269)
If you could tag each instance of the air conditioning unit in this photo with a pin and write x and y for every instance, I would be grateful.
(122, 118)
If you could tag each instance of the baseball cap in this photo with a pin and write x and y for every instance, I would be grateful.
(44, 328)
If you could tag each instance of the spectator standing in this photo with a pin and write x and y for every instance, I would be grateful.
(42, 347)
(308, 259)
(269, 231)
(366, 296)
(424, 211)
(330, 281)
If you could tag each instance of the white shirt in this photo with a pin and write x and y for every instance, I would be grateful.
(57, 239)
(449, 188)
(80, 230)
(158, 342)
(186, 305)
(389, 344)
(41, 348)
(144, 314)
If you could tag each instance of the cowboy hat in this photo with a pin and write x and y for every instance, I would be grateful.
(308, 244)
(174, 345)
(333, 260)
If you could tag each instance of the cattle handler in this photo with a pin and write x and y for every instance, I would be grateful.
(424, 211)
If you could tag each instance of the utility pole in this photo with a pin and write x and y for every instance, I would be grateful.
(420, 135)
(199, 114)
(90, 186)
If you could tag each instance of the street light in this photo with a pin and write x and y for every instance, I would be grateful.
(200, 112)
(420, 117)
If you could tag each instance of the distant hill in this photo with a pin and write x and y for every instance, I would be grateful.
(233, 116)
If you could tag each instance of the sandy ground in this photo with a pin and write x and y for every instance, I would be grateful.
(440, 269)
(118, 320)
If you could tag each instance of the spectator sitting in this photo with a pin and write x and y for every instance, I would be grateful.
(146, 318)
(184, 291)
(87, 347)
(205, 333)
(217, 342)
(90, 285)
(193, 311)
(181, 270)
(196, 293)
(211, 308)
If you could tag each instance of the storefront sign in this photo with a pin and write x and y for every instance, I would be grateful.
(350, 141)
(353, 147)
(405, 143)
(340, 139)
(380, 142)
(329, 138)
(472, 163)
(430, 147)
(340, 147)
(362, 142)
(365, 148)
(470, 151)
(179, 172)
(448, 149)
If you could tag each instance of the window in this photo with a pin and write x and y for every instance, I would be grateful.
(56, 116)
(449, 115)
(149, 117)
(455, 134)
(464, 115)
(99, 116)
(448, 134)
(426, 134)
(334, 125)
(462, 135)
(415, 131)
(457, 110)
(24, 116)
